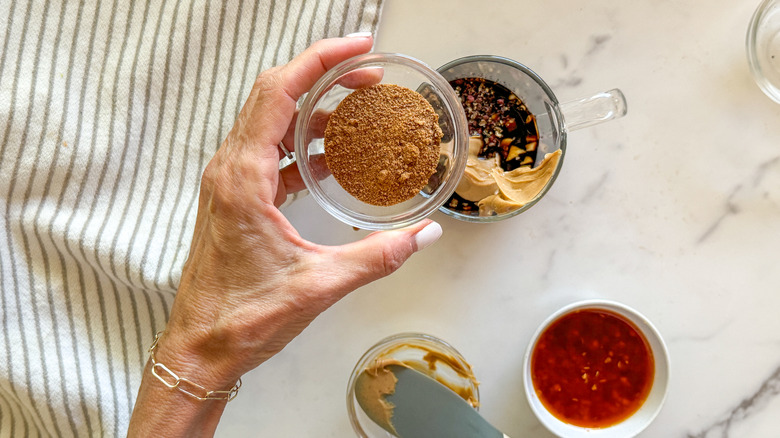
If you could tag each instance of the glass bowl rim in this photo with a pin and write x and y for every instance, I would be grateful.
(770, 89)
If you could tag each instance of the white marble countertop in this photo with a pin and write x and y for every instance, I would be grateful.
(673, 210)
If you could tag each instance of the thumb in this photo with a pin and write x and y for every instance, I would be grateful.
(380, 254)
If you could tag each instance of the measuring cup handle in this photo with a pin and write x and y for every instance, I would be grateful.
(599, 108)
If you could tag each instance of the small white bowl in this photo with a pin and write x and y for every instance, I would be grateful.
(634, 424)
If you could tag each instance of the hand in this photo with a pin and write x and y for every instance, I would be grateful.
(251, 283)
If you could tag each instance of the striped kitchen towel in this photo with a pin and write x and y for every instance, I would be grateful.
(109, 112)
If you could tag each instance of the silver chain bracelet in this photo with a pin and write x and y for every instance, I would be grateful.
(192, 389)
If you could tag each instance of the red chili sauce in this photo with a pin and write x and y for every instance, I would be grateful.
(592, 368)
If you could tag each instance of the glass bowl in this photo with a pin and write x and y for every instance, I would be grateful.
(651, 406)
(763, 48)
(322, 100)
(411, 349)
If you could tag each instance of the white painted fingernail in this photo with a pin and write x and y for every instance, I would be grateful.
(359, 35)
(427, 236)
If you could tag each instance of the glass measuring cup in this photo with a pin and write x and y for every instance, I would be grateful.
(553, 119)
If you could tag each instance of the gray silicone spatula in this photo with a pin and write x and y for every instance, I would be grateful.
(424, 408)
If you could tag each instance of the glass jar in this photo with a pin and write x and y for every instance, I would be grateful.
(425, 353)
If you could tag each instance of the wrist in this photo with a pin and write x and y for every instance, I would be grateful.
(193, 364)
(176, 399)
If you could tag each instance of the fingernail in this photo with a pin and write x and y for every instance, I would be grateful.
(427, 236)
(359, 35)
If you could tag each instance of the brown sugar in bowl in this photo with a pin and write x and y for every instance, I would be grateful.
(450, 156)
(382, 144)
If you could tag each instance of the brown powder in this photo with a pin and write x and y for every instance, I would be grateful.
(382, 144)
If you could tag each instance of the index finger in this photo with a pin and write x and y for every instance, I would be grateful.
(274, 96)
(300, 74)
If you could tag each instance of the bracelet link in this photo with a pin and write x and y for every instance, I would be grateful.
(156, 365)
(206, 395)
(192, 389)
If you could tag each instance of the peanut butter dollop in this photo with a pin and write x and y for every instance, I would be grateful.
(497, 191)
